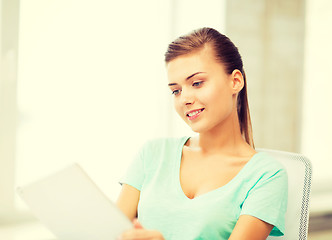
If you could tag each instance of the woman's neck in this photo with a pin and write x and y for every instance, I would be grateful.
(225, 138)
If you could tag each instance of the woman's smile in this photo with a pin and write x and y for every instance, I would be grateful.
(191, 115)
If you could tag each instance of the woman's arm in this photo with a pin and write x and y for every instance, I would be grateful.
(128, 201)
(250, 228)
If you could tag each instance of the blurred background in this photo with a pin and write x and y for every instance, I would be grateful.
(84, 81)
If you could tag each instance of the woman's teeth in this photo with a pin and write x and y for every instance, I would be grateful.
(194, 113)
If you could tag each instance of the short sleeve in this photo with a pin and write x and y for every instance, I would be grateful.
(267, 200)
(135, 173)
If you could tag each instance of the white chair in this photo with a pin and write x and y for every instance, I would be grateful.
(299, 184)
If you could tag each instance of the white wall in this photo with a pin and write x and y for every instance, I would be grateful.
(91, 85)
(9, 13)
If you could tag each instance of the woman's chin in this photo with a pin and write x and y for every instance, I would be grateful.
(201, 128)
(198, 129)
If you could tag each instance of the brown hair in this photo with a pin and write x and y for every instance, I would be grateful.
(227, 54)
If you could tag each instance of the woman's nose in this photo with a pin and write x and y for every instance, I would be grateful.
(187, 98)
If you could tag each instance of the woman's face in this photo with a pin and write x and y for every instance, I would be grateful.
(204, 94)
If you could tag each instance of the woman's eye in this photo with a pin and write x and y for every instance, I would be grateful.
(175, 92)
(197, 84)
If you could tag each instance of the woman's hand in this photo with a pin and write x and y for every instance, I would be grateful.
(139, 233)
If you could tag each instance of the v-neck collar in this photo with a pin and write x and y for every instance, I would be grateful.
(214, 191)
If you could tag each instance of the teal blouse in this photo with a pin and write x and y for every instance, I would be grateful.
(259, 189)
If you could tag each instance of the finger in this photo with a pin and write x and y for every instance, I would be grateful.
(134, 234)
(140, 234)
(137, 224)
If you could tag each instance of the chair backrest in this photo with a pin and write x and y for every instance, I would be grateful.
(299, 184)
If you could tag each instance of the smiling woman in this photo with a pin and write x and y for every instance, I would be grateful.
(208, 94)
(226, 53)
(214, 185)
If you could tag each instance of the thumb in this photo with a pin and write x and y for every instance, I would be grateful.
(137, 224)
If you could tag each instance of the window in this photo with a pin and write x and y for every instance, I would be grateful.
(92, 85)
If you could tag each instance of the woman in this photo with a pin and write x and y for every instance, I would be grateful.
(215, 185)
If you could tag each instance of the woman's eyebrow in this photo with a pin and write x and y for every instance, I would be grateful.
(187, 78)
(192, 75)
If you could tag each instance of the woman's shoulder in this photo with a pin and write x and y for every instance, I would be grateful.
(266, 172)
(266, 164)
(164, 142)
(160, 150)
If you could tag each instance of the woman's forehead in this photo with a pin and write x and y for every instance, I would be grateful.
(185, 65)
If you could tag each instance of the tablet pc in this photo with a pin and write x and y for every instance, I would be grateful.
(71, 206)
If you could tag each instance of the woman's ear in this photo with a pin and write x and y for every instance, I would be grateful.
(237, 81)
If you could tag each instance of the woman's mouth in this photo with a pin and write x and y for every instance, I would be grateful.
(194, 114)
